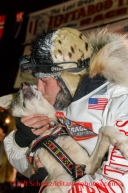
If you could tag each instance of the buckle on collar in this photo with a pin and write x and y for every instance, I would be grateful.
(79, 171)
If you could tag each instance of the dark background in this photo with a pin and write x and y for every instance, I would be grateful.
(11, 48)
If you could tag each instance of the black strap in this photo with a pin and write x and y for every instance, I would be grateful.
(59, 154)
(39, 143)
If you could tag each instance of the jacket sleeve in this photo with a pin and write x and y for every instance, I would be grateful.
(17, 156)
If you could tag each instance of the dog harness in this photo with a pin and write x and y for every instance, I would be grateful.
(48, 142)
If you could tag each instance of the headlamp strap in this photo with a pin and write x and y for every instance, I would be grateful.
(27, 62)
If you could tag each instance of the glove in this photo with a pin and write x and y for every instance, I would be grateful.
(23, 135)
(36, 179)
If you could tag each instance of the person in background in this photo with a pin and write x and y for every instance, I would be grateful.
(10, 179)
(7, 171)
(74, 73)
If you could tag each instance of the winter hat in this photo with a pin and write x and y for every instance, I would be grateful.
(63, 54)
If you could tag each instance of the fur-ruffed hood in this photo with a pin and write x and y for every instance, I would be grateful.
(108, 52)
(67, 55)
(110, 56)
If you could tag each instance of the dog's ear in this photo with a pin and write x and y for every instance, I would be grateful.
(6, 100)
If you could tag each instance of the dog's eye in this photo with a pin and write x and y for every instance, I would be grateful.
(24, 104)
(18, 94)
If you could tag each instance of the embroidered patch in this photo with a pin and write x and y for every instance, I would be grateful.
(97, 103)
(78, 130)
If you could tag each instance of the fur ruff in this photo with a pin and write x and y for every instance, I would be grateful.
(110, 56)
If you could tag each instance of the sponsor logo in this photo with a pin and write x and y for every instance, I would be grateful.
(55, 69)
(78, 130)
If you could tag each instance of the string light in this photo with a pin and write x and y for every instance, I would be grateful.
(7, 120)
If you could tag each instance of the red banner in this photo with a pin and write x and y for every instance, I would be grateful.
(2, 22)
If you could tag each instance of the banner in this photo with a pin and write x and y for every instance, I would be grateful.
(2, 22)
(80, 14)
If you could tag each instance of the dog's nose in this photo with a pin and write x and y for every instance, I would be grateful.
(24, 85)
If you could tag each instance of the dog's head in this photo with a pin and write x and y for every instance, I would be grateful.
(27, 101)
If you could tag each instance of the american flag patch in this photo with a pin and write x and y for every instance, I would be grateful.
(97, 103)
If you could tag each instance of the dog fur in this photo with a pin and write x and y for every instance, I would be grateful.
(30, 101)
(110, 56)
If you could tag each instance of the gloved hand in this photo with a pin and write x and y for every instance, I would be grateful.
(23, 135)
(37, 177)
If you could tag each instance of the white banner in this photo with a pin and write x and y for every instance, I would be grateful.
(80, 14)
